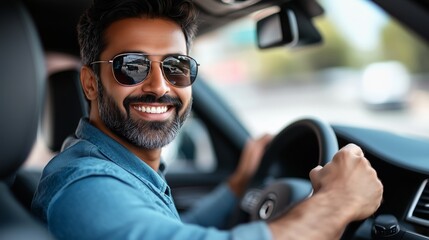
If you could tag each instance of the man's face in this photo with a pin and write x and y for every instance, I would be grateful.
(147, 115)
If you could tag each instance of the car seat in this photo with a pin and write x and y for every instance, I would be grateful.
(64, 106)
(22, 78)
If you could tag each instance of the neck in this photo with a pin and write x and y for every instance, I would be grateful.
(151, 157)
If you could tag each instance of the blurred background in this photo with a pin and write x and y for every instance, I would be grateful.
(369, 71)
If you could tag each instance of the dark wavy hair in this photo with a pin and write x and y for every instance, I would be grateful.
(102, 13)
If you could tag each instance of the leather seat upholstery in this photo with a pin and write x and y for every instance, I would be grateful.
(21, 78)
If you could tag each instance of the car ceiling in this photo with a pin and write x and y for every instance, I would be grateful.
(55, 18)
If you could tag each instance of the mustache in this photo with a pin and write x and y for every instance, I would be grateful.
(167, 99)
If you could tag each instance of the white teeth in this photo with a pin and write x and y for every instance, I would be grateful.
(157, 110)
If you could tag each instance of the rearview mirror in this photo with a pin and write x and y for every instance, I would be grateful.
(290, 27)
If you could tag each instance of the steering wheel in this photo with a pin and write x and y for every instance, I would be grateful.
(285, 167)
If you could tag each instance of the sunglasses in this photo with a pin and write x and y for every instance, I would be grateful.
(133, 68)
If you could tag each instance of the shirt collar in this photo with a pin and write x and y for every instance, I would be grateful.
(121, 156)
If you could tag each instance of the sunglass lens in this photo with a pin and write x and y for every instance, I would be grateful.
(180, 70)
(130, 69)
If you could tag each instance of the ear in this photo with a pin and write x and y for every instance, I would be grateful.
(89, 83)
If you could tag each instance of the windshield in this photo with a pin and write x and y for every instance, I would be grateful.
(368, 72)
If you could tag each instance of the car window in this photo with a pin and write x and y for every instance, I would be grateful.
(368, 71)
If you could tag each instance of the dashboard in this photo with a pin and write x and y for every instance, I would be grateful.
(402, 164)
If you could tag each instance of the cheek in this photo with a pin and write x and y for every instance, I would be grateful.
(185, 95)
(113, 90)
(107, 78)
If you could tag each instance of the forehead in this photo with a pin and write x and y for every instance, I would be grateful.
(148, 35)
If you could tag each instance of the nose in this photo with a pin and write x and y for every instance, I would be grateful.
(155, 84)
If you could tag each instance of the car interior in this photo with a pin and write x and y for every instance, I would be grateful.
(39, 104)
(23, 72)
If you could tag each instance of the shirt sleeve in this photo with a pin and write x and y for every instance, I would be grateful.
(214, 209)
(103, 207)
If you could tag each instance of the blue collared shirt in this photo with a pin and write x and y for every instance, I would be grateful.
(97, 189)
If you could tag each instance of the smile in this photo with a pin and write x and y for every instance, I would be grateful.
(153, 110)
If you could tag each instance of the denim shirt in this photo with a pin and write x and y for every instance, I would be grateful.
(97, 189)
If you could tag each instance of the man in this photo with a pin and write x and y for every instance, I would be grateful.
(107, 184)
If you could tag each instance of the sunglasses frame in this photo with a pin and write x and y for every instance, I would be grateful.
(192, 80)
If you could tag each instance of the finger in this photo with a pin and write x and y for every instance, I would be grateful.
(264, 140)
(257, 147)
(354, 149)
(314, 177)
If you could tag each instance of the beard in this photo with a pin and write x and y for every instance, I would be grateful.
(141, 133)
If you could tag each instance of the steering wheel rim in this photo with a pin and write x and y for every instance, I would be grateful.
(281, 194)
(323, 134)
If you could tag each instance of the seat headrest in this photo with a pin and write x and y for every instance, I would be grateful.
(65, 105)
(22, 76)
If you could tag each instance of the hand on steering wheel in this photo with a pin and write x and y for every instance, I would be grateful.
(285, 166)
(248, 164)
(282, 180)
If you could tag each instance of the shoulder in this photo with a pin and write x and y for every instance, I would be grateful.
(78, 162)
